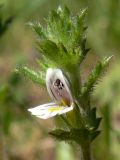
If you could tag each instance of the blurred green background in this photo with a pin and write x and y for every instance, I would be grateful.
(23, 137)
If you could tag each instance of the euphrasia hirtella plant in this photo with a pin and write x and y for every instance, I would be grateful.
(62, 45)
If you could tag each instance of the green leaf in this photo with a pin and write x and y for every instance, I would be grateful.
(49, 49)
(65, 12)
(61, 135)
(95, 74)
(93, 120)
(77, 135)
(38, 29)
(80, 136)
(94, 135)
(36, 77)
(84, 51)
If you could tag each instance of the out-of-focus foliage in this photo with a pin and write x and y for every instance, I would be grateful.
(16, 45)
(105, 28)
(4, 25)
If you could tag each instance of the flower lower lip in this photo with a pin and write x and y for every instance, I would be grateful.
(48, 110)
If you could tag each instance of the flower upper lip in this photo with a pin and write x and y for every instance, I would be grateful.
(60, 92)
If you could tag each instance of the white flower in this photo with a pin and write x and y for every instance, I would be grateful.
(59, 90)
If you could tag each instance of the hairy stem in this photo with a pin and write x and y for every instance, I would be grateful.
(85, 151)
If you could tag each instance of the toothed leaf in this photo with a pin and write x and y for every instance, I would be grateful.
(94, 135)
(29, 73)
(95, 74)
(94, 121)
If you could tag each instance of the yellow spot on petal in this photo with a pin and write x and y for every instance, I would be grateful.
(55, 109)
(63, 103)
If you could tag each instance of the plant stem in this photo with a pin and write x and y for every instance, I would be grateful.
(85, 151)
